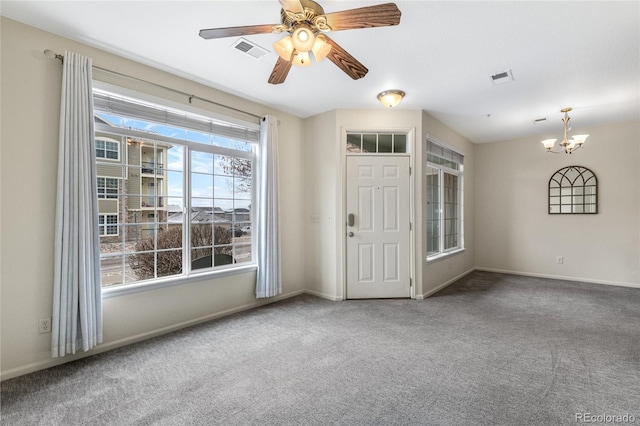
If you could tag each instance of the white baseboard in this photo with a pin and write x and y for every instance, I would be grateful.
(52, 362)
(446, 284)
(558, 277)
(323, 295)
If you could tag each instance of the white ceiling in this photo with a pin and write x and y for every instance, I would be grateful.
(580, 54)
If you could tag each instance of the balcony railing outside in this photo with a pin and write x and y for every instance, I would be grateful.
(149, 168)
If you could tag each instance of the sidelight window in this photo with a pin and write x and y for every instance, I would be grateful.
(444, 177)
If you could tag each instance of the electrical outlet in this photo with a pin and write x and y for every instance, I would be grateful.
(44, 325)
(559, 260)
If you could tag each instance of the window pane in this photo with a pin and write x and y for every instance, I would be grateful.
(111, 270)
(451, 209)
(354, 142)
(169, 263)
(201, 259)
(242, 188)
(202, 162)
(369, 143)
(385, 143)
(242, 253)
(433, 210)
(399, 143)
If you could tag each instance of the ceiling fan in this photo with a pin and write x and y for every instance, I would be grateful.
(306, 23)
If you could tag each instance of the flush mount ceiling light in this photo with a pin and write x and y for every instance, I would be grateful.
(567, 145)
(390, 98)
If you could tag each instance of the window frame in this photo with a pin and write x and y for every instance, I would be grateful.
(187, 274)
(105, 225)
(442, 169)
(105, 194)
(352, 149)
(106, 141)
(573, 196)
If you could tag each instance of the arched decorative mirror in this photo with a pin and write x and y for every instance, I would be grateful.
(573, 190)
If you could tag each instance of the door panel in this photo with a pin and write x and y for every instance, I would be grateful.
(378, 243)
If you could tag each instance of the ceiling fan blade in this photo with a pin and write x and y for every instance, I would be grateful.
(235, 31)
(382, 15)
(292, 6)
(280, 71)
(345, 61)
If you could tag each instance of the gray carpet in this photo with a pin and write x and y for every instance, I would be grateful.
(491, 349)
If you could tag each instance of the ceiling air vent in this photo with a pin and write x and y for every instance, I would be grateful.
(249, 48)
(540, 120)
(502, 77)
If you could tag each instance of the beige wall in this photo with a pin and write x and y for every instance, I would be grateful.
(322, 172)
(442, 272)
(514, 232)
(30, 112)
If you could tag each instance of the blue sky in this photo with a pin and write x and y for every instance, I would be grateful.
(210, 184)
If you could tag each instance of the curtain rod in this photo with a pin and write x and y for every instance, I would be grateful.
(53, 55)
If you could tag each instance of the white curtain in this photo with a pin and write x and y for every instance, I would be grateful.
(77, 300)
(269, 278)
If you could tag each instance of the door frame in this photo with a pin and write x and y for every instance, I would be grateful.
(342, 229)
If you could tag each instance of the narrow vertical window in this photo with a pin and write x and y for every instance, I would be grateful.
(444, 174)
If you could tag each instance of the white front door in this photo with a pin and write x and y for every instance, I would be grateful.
(378, 227)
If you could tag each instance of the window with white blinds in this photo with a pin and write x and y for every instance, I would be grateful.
(122, 106)
(179, 199)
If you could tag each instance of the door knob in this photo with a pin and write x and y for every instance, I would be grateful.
(351, 234)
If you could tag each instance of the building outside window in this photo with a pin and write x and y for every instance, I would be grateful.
(444, 184)
(179, 200)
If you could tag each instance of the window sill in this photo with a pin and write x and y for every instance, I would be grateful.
(446, 255)
(121, 290)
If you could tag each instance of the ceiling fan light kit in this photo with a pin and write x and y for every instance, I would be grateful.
(284, 47)
(306, 23)
(391, 98)
(320, 47)
(301, 59)
(567, 145)
(303, 38)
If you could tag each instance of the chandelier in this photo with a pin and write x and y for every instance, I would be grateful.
(567, 145)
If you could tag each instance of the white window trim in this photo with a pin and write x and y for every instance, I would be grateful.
(105, 225)
(460, 248)
(104, 197)
(105, 139)
(200, 274)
